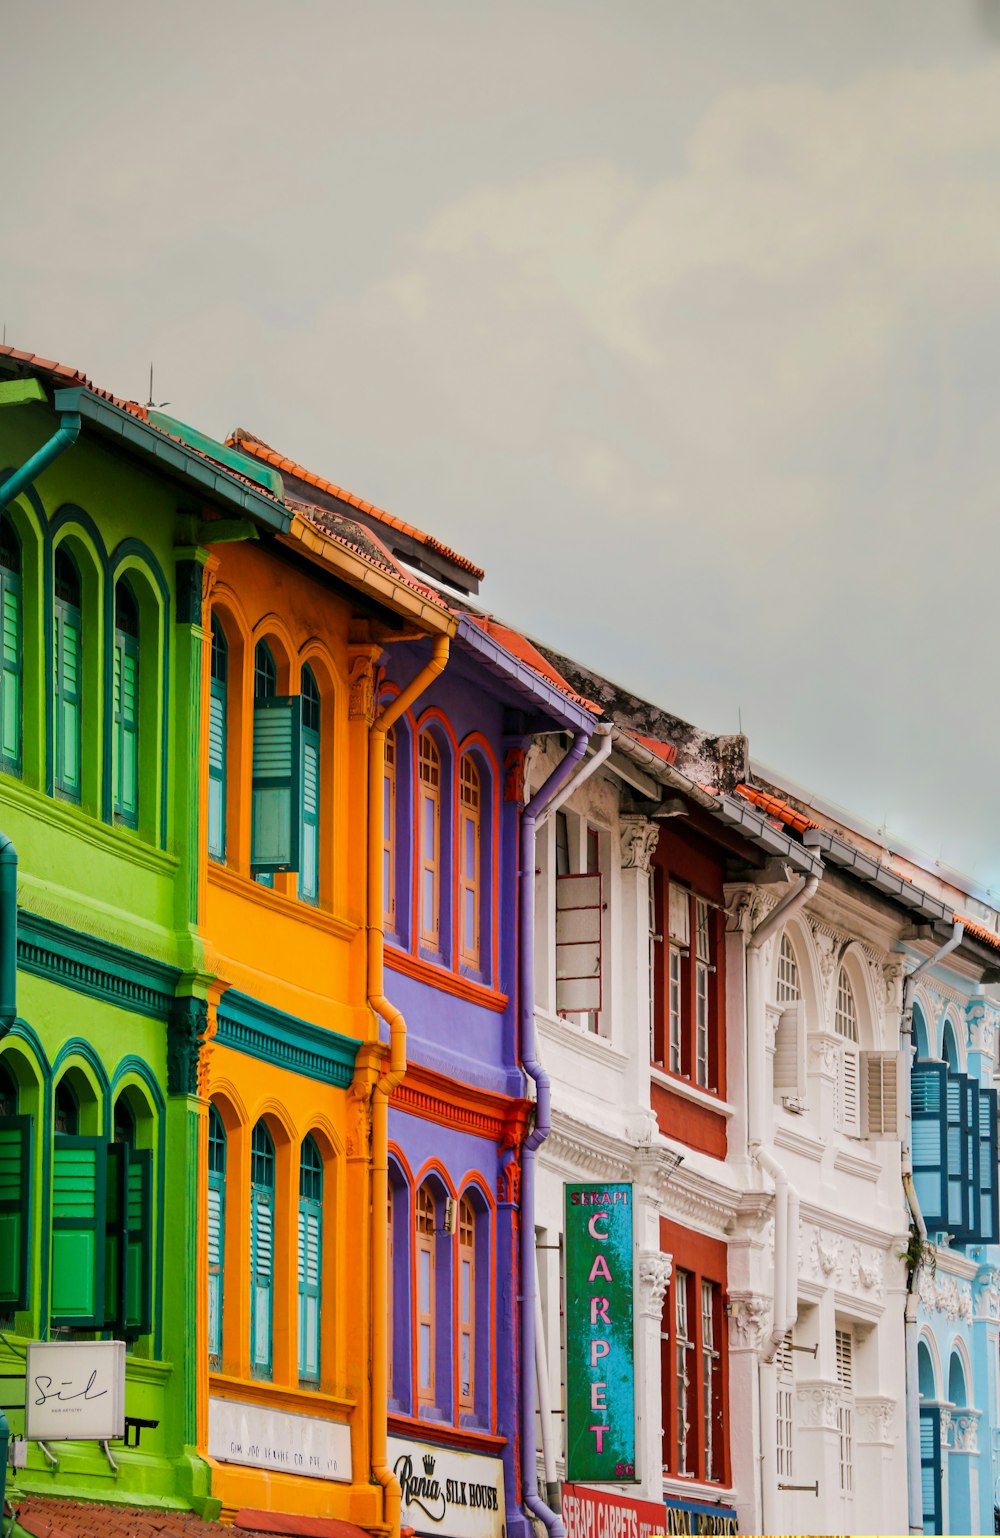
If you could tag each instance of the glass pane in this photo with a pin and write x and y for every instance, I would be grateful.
(466, 1292)
(424, 1281)
(427, 911)
(425, 1356)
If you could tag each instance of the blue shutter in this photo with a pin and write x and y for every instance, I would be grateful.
(970, 1133)
(310, 1279)
(10, 680)
(928, 1095)
(930, 1466)
(79, 1198)
(277, 751)
(309, 873)
(988, 1214)
(217, 771)
(216, 1232)
(15, 1192)
(262, 1281)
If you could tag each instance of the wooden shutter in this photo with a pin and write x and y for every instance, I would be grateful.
(216, 1245)
(578, 944)
(217, 771)
(989, 1218)
(114, 1238)
(790, 1052)
(79, 1200)
(958, 1150)
(928, 1093)
(10, 684)
(262, 1288)
(930, 1466)
(15, 1194)
(138, 1242)
(277, 751)
(309, 873)
(880, 1093)
(68, 700)
(850, 1088)
(126, 728)
(310, 1280)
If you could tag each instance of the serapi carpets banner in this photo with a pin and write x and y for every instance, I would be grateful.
(600, 1348)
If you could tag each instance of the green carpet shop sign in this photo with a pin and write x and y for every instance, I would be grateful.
(600, 1348)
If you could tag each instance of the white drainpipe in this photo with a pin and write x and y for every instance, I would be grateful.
(913, 1484)
(603, 730)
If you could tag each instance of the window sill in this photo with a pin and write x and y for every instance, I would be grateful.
(440, 976)
(417, 1429)
(688, 1091)
(297, 1401)
(589, 1042)
(123, 843)
(681, 1487)
(278, 902)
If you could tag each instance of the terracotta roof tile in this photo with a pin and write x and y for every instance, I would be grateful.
(248, 443)
(49, 1517)
(775, 807)
(525, 651)
(979, 931)
(664, 750)
(289, 1526)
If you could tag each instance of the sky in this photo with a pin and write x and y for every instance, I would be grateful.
(682, 319)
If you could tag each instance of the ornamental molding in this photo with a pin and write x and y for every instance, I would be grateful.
(584, 1153)
(945, 1419)
(945, 1295)
(981, 1019)
(749, 1313)
(965, 1431)
(819, 1403)
(655, 1270)
(639, 838)
(876, 1415)
(825, 1051)
(865, 1269)
(986, 1291)
(361, 682)
(825, 1254)
(683, 1193)
(852, 1228)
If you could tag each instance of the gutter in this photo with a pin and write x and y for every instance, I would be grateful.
(912, 1375)
(21, 392)
(533, 1067)
(386, 1083)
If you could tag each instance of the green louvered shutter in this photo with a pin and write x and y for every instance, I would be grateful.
(276, 806)
(217, 771)
(928, 1094)
(68, 684)
(310, 1259)
(216, 1232)
(989, 1218)
(137, 1235)
(126, 729)
(309, 873)
(261, 1252)
(15, 1192)
(79, 1199)
(10, 683)
(114, 1248)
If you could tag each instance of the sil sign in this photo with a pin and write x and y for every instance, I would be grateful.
(600, 1351)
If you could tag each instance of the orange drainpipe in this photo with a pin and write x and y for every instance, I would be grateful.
(386, 1083)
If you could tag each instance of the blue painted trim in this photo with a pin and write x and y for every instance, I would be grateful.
(97, 968)
(254, 1028)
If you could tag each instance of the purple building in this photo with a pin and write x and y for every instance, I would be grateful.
(453, 803)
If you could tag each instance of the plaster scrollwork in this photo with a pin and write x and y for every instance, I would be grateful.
(361, 683)
(865, 1271)
(748, 1317)
(825, 1050)
(826, 1256)
(655, 1270)
(945, 1416)
(639, 838)
(947, 1296)
(739, 911)
(818, 1404)
(875, 1418)
(890, 992)
(987, 1291)
(827, 953)
(981, 1019)
(965, 1431)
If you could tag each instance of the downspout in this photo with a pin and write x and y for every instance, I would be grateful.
(543, 1116)
(20, 392)
(912, 1374)
(786, 1201)
(386, 1082)
(8, 935)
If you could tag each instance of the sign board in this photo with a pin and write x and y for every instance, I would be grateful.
(700, 1519)
(75, 1389)
(456, 1494)
(601, 1514)
(275, 1439)
(600, 1345)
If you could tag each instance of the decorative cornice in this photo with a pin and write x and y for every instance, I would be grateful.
(856, 1164)
(576, 1147)
(248, 1026)
(97, 968)
(434, 1097)
(445, 980)
(947, 1296)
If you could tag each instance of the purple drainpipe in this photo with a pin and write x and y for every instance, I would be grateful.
(539, 1132)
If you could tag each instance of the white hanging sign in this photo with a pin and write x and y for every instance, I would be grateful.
(75, 1389)
(277, 1439)
(456, 1494)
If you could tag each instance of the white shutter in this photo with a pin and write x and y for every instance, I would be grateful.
(680, 916)
(850, 1088)
(880, 1088)
(578, 944)
(790, 1053)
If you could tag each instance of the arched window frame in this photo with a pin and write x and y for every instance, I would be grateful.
(430, 778)
(469, 860)
(128, 1280)
(847, 1098)
(310, 1259)
(262, 1221)
(389, 782)
(126, 705)
(218, 741)
(466, 1306)
(216, 1237)
(15, 1194)
(309, 859)
(425, 1295)
(276, 820)
(400, 1290)
(68, 662)
(11, 646)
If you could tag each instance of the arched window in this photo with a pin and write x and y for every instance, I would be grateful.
(309, 853)
(217, 731)
(466, 1306)
(216, 1232)
(469, 894)
(8, 1091)
(124, 1120)
(125, 742)
(11, 647)
(788, 991)
(930, 1441)
(265, 674)
(67, 1109)
(429, 834)
(949, 1047)
(68, 647)
(845, 1021)
(389, 832)
(261, 1252)
(310, 1258)
(128, 1227)
(15, 1196)
(426, 1294)
(276, 818)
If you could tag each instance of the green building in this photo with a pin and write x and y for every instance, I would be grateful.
(101, 559)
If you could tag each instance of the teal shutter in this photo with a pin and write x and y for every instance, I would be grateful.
(310, 1259)
(216, 1232)
(10, 676)
(958, 1150)
(930, 1141)
(262, 1291)
(988, 1215)
(277, 752)
(126, 729)
(79, 1200)
(15, 1193)
(217, 771)
(309, 872)
(68, 692)
(114, 1248)
(930, 1466)
(137, 1235)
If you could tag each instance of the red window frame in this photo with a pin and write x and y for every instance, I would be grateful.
(696, 1260)
(682, 865)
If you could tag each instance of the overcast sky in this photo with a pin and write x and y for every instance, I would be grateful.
(683, 319)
